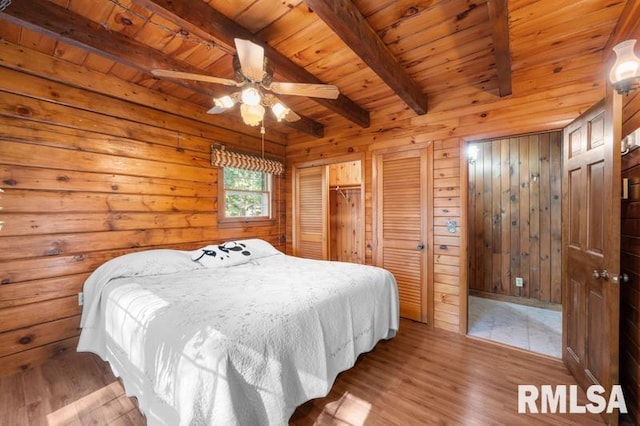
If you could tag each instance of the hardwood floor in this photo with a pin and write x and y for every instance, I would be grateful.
(421, 377)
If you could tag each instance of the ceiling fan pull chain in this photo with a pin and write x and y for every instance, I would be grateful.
(262, 132)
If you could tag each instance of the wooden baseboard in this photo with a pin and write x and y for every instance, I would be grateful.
(518, 300)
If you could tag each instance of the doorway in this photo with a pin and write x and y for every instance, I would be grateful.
(514, 210)
(328, 210)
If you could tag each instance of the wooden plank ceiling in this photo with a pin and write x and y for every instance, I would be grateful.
(406, 58)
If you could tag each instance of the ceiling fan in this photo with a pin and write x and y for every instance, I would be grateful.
(254, 74)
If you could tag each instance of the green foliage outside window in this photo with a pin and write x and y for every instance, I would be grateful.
(246, 193)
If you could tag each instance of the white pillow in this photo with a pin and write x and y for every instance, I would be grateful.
(222, 255)
(259, 248)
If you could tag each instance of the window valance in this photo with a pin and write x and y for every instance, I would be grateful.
(220, 157)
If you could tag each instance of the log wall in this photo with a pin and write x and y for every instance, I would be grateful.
(88, 175)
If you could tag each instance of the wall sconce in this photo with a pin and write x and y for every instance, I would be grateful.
(625, 73)
(472, 153)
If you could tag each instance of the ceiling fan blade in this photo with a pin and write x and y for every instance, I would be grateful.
(217, 110)
(326, 91)
(251, 58)
(198, 77)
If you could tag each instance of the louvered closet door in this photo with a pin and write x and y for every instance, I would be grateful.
(310, 215)
(402, 217)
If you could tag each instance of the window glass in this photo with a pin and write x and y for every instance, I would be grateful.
(246, 193)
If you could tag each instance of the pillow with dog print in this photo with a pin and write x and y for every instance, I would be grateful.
(223, 255)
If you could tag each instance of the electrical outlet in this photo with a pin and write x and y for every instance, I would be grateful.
(519, 282)
(80, 299)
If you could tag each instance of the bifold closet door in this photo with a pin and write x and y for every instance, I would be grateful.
(311, 203)
(402, 208)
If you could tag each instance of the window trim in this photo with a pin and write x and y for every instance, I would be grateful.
(230, 222)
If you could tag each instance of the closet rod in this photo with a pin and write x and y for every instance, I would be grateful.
(341, 190)
(345, 187)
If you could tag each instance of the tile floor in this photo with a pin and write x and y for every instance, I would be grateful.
(526, 327)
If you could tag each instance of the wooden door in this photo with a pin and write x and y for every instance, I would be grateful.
(591, 245)
(311, 200)
(402, 219)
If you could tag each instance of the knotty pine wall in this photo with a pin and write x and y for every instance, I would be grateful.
(344, 225)
(515, 217)
(88, 177)
(630, 264)
(345, 211)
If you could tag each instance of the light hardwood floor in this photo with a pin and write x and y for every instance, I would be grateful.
(420, 377)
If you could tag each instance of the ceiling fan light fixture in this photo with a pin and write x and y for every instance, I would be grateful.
(625, 73)
(252, 115)
(224, 102)
(251, 96)
(280, 111)
(254, 73)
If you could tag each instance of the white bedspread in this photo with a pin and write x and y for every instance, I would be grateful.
(242, 345)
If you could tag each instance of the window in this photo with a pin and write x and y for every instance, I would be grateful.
(246, 194)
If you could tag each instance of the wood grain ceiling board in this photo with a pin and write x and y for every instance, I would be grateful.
(349, 24)
(444, 45)
(254, 15)
(536, 29)
(395, 25)
(295, 20)
(445, 33)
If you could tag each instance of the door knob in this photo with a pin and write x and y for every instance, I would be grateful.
(622, 278)
(604, 274)
(420, 246)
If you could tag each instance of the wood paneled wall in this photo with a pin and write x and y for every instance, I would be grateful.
(630, 264)
(515, 217)
(344, 225)
(345, 211)
(88, 177)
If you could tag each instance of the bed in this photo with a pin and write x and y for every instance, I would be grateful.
(232, 334)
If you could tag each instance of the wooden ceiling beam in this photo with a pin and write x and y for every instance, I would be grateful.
(499, 19)
(196, 16)
(47, 18)
(347, 22)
